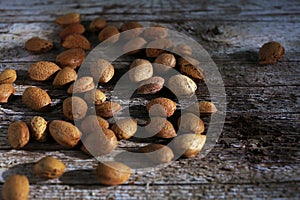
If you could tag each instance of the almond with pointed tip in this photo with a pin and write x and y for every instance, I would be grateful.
(42, 70)
(64, 133)
(38, 45)
(36, 98)
(65, 76)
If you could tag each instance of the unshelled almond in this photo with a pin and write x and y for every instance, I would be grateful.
(49, 167)
(8, 76)
(18, 134)
(64, 133)
(42, 70)
(15, 187)
(112, 173)
(36, 98)
(161, 107)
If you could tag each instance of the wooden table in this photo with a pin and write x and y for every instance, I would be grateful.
(257, 155)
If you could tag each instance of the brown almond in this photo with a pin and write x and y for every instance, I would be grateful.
(140, 69)
(190, 123)
(72, 29)
(93, 123)
(94, 97)
(64, 133)
(81, 85)
(161, 107)
(36, 98)
(112, 173)
(65, 76)
(270, 53)
(183, 50)
(151, 85)
(8, 76)
(164, 62)
(67, 19)
(182, 85)
(6, 90)
(160, 127)
(110, 33)
(97, 24)
(72, 58)
(15, 187)
(124, 128)
(76, 41)
(37, 126)
(157, 47)
(189, 145)
(18, 134)
(203, 108)
(49, 167)
(156, 32)
(135, 29)
(108, 109)
(102, 70)
(38, 45)
(187, 67)
(134, 46)
(42, 70)
(74, 108)
(99, 143)
(158, 153)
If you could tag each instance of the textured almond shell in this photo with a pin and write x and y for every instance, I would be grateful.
(49, 167)
(15, 187)
(36, 98)
(42, 70)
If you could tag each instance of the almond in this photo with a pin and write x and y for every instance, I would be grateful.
(67, 19)
(49, 167)
(76, 41)
(64, 133)
(102, 71)
(182, 85)
(189, 145)
(81, 85)
(42, 70)
(151, 85)
(135, 29)
(65, 76)
(134, 45)
(6, 90)
(202, 108)
(74, 108)
(37, 126)
(99, 143)
(191, 68)
(108, 109)
(110, 33)
(270, 53)
(97, 24)
(36, 98)
(164, 62)
(18, 134)
(93, 123)
(8, 76)
(112, 173)
(157, 47)
(94, 97)
(161, 107)
(124, 128)
(72, 29)
(38, 45)
(15, 187)
(72, 58)
(183, 50)
(158, 153)
(140, 70)
(160, 127)
(190, 123)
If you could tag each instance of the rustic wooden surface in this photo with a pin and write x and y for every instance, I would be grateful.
(257, 155)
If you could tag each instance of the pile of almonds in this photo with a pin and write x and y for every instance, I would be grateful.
(99, 136)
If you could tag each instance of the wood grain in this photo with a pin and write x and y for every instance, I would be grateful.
(257, 155)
